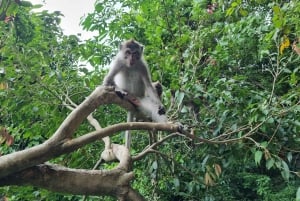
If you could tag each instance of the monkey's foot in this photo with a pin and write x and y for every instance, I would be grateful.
(181, 128)
(133, 100)
(125, 95)
(161, 110)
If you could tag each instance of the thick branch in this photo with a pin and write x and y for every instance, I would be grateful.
(17, 161)
(96, 135)
(41, 153)
(114, 182)
(75, 181)
(100, 96)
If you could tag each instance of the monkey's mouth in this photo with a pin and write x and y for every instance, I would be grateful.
(131, 63)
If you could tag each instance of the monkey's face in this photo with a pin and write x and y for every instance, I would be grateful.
(132, 51)
(132, 57)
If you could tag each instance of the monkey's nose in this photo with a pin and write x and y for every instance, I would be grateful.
(131, 62)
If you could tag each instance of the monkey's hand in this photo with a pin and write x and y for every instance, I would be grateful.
(125, 95)
(108, 82)
(120, 92)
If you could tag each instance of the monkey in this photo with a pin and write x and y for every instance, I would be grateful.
(130, 73)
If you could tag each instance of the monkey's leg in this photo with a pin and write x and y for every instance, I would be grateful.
(128, 132)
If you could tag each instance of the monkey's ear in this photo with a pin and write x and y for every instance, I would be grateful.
(142, 48)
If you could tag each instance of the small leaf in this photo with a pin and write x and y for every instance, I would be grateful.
(184, 109)
(277, 22)
(218, 169)
(208, 180)
(264, 144)
(267, 154)
(154, 165)
(140, 19)
(243, 12)
(285, 44)
(293, 79)
(26, 3)
(2, 139)
(258, 156)
(286, 171)
(229, 11)
(205, 161)
(296, 47)
(3, 85)
(289, 156)
(270, 120)
(179, 97)
(276, 10)
(270, 163)
(234, 4)
(176, 182)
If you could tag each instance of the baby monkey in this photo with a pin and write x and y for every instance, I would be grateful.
(129, 72)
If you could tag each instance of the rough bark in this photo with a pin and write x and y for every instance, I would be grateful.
(56, 178)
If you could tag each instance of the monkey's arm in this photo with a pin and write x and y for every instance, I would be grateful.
(114, 69)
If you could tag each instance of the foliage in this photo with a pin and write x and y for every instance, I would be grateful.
(230, 71)
(39, 68)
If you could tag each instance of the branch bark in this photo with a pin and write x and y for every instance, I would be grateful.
(56, 178)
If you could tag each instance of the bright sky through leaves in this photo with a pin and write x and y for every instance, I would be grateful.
(72, 11)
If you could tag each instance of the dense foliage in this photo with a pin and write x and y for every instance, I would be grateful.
(230, 71)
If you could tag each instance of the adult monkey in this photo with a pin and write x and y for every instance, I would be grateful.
(129, 72)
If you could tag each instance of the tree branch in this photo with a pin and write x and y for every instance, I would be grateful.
(61, 141)
(151, 147)
(24, 167)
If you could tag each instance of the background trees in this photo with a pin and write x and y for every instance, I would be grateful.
(230, 72)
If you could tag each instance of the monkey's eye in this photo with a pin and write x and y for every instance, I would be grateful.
(127, 52)
(135, 54)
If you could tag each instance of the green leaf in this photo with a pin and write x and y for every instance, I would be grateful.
(99, 7)
(285, 172)
(154, 165)
(26, 3)
(276, 10)
(298, 195)
(289, 156)
(229, 11)
(179, 97)
(243, 12)
(278, 22)
(176, 183)
(264, 144)
(270, 163)
(12, 9)
(293, 79)
(184, 109)
(258, 156)
(139, 19)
